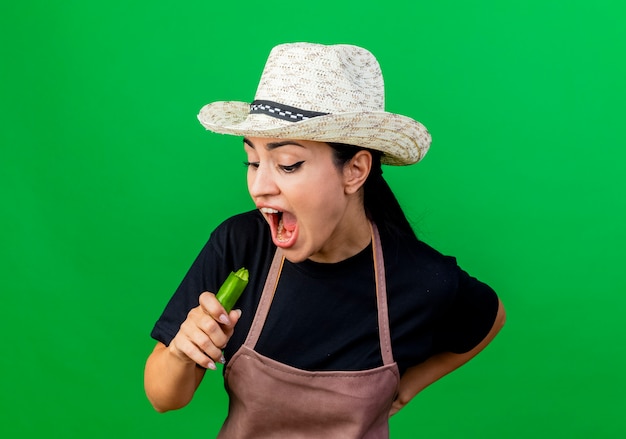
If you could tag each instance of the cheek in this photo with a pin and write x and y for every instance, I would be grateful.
(324, 199)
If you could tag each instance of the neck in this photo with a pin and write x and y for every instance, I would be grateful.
(353, 235)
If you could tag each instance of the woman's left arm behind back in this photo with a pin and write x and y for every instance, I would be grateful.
(418, 377)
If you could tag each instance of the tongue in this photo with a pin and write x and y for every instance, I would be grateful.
(289, 221)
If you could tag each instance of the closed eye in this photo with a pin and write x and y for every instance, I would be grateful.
(291, 168)
(249, 164)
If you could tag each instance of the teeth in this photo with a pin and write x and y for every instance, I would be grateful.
(268, 210)
(281, 227)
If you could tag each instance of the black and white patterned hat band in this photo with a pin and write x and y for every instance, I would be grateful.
(282, 111)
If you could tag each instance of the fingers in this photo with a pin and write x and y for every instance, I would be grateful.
(186, 350)
(205, 332)
(211, 306)
(395, 408)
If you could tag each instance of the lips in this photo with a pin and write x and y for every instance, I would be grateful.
(283, 226)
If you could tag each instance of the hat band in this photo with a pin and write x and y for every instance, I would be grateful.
(281, 111)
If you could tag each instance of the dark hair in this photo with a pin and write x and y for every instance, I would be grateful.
(381, 205)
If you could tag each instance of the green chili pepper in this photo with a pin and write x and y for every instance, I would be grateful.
(232, 288)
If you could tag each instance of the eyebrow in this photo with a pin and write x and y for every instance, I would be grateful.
(273, 145)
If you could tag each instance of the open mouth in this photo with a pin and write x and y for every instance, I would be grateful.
(283, 226)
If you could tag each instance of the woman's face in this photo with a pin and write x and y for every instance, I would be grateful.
(302, 195)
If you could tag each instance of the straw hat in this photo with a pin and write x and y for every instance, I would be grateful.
(324, 93)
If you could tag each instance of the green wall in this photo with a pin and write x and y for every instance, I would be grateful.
(109, 187)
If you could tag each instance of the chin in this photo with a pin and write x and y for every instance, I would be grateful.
(295, 256)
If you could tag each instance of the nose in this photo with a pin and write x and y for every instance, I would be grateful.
(261, 182)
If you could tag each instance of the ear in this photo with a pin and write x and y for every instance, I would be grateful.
(356, 170)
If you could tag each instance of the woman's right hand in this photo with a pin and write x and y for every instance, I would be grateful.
(205, 333)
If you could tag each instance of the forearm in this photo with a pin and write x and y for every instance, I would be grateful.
(418, 377)
(170, 382)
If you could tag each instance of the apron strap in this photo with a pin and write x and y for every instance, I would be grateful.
(384, 334)
(271, 283)
(266, 299)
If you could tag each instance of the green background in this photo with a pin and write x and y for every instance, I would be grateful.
(110, 187)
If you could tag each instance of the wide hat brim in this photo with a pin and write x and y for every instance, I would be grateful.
(402, 140)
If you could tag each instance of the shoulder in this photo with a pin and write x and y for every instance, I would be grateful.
(416, 255)
(245, 220)
(419, 268)
(240, 232)
(417, 274)
(242, 240)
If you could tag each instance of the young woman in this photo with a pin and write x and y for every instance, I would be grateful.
(347, 314)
